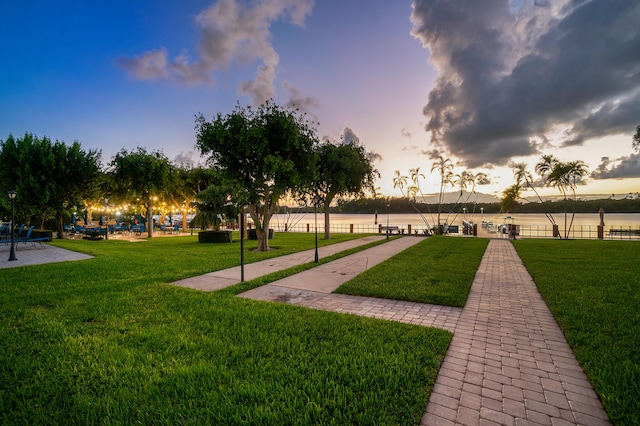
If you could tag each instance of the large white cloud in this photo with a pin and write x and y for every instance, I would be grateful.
(513, 73)
(231, 32)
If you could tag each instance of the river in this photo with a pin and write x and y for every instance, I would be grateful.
(611, 220)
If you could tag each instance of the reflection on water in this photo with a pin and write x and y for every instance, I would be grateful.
(611, 220)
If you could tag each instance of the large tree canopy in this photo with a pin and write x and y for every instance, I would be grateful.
(141, 174)
(344, 170)
(50, 178)
(267, 151)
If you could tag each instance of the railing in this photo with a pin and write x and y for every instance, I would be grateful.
(578, 232)
(341, 228)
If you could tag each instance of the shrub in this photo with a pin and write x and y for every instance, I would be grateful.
(253, 235)
(215, 237)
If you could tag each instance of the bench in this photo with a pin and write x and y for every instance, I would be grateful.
(390, 229)
(624, 232)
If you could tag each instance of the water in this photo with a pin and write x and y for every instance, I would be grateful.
(300, 220)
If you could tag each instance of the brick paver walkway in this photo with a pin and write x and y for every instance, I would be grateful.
(508, 362)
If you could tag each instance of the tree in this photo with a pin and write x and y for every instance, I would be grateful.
(49, 177)
(445, 169)
(636, 139)
(344, 169)
(565, 177)
(522, 175)
(141, 174)
(186, 184)
(267, 151)
(213, 204)
(510, 197)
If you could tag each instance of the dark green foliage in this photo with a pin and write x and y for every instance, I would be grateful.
(215, 237)
(439, 270)
(141, 175)
(593, 291)
(214, 204)
(265, 152)
(105, 341)
(344, 169)
(50, 178)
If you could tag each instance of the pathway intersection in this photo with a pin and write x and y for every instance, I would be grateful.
(508, 362)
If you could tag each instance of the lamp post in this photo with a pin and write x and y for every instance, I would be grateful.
(387, 219)
(315, 213)
(242, 225)
(12, 252)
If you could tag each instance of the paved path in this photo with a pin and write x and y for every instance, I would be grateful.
(313, 288)
(36, 254)
(227, 277)
(508, 362)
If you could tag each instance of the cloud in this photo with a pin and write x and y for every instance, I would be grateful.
(299, 100)
(349, 137)
(624, 167)
(151, 65)
(509, 77)
(231, 32)
(186, 159)
(405, 133)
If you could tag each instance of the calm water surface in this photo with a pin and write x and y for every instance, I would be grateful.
(611, 220)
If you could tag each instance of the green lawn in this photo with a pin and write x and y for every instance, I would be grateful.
(438, 270)
(593, 290)
(107, 341)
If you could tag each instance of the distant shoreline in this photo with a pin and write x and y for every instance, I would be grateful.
(403, 205)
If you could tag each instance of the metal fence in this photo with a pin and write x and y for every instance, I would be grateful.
(586, 232)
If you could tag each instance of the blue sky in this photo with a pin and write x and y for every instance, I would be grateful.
(477, 82)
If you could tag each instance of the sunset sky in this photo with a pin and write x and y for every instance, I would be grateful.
(485, 83)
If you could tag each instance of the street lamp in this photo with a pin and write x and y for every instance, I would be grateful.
(387, 219)
(315, 213)
(12, 253)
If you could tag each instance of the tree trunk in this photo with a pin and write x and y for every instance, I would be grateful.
(262, 225)
(327, 226)
(60, 226)
(185, 212)
(149, 220)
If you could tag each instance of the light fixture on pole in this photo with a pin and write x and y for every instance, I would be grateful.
(388, 218)
(315, 213)
(12, 253)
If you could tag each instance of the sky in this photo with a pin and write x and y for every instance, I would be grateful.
(485, 83)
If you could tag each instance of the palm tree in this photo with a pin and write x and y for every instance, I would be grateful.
(444, 166)
(400, 181)
(546, 164)
(522, 175)
(565, 177)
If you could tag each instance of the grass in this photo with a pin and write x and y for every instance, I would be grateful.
(107, 341)
(439, 270)
(593, 291)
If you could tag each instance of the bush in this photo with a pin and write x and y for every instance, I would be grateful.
(253, 235)
(215, 237)
(42, 233)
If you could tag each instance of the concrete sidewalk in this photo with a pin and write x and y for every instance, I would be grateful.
(227, 277)
(37, 254)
